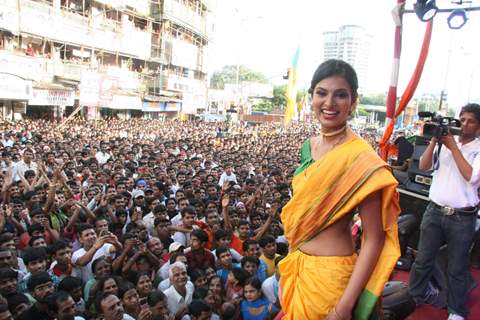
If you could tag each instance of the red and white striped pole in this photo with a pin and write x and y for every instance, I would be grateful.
(397, 14)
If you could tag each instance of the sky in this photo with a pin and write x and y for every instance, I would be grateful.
(264, 34)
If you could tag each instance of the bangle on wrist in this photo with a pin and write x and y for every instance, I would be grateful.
(336, 314)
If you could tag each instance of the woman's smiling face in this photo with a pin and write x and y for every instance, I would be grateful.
(332, 102)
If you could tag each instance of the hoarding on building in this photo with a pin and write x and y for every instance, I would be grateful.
(52, 97)
(13, 87)
(97, 89)
(23, 66)
(90, 89)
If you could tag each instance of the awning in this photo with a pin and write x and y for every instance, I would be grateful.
(50, 86)
(8, 32)
(68, 82)
(161, 99)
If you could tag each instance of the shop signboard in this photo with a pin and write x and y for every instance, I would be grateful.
(173, 106)
(153, 106)
(52, 97)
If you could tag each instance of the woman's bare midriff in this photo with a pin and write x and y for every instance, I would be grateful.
(336, 240)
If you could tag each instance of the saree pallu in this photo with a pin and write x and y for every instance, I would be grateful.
(324, 192)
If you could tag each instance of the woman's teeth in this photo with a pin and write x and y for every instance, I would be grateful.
(330, 113)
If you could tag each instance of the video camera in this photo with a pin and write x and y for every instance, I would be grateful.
(439, 126)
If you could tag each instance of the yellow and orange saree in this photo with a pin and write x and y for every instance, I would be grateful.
(323, 192)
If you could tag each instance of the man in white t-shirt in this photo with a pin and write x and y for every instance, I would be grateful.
(228, 175)
(451, 215)
(92, 249)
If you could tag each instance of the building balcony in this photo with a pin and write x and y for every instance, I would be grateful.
(182, 15)
(45, 21)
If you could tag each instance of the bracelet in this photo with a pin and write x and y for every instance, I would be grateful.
(336, 314)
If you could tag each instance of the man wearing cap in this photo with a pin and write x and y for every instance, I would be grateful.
(41, 287)
(172, 250)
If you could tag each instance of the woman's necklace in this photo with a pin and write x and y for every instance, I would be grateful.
(340, 139)
(334, 133)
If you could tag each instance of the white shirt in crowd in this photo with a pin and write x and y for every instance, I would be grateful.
(86, 270)
(165, 284)
(214, 316)
(227, 177)
(182, 237)
(268, 288)
(102, 157)
(464, 192)
(20, 167)
(175, 300)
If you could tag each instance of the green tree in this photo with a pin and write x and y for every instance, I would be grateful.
(362, 112)
(263, 106)
(375, 99)
(428, 105)
(228, 75)
(279, 99)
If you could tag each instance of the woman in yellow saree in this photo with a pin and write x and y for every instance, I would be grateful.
(322, 277)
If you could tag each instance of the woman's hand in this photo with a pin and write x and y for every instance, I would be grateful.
(339, 314)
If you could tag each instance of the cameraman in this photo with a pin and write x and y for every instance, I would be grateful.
(451, 215)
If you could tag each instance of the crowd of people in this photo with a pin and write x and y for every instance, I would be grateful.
(115, 219)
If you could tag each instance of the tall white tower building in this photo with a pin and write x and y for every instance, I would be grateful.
(350, 43)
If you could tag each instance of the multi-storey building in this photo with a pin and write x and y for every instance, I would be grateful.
(124, 57)
(350, 43)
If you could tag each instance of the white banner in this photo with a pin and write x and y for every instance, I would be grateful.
(23, 66)
(52, 97)
(90, 89)
(14, 87)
